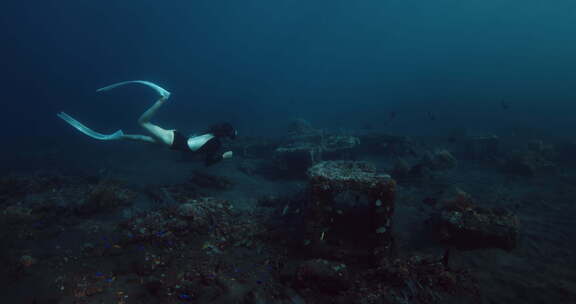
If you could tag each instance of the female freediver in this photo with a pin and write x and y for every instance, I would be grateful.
(208, 144)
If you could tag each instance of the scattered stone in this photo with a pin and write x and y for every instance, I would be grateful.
(478, 228)
(456, 200)
(422, 277)
(529, 164)
(306, 146)
(439, 160)
(106, 195)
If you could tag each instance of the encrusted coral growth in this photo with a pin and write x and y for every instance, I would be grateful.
(417, 279)
(439, 160)
(306, 146)
(105, 195)
(462, 224)
(529, 163)
(479, 228)
(200, 251)
(328, 179)
(457, 200)
(210, 217)
(172, 222)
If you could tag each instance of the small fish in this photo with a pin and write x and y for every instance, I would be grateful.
(504, 105)
(390, 118)
(431, 116)
(285, 209)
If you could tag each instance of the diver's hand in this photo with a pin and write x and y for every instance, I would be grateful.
(227, 154)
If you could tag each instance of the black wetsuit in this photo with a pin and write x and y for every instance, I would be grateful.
(211, 148)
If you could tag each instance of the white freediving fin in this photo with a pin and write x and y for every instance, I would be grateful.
(164, 93)
(84, 129)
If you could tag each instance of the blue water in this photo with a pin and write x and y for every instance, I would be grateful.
(258, 64)
(419, 68)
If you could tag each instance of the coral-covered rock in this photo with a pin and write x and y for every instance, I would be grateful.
(439, 160)
(330, 178)
(475, 228)
(106, 195)
(192, 217)
(528, 163)
(300, 126)
(306, 146)
(421, 278)
(456, 200)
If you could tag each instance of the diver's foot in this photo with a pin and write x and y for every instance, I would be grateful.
(162, 99)
(164, 95)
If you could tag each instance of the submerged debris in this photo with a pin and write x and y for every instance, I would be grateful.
(327, 179)
(460, 223)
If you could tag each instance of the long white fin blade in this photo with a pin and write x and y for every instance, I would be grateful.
(84, 129)
(160, 90)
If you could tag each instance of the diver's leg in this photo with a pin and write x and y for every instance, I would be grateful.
(118, 135)
(138, 137)
(146, 116)
(159, 134)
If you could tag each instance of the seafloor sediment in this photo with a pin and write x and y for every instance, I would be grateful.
(312, 217)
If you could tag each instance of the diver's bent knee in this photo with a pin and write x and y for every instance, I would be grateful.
(144, 123)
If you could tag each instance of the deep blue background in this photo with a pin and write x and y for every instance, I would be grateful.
(260, 63)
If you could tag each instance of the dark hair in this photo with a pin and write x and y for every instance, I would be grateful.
(223, 130)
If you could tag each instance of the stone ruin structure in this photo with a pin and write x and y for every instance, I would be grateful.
(329, 178)
(305, 146)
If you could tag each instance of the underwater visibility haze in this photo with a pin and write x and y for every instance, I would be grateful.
(288, 151)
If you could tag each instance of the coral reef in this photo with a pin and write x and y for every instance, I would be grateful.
(344, 232)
